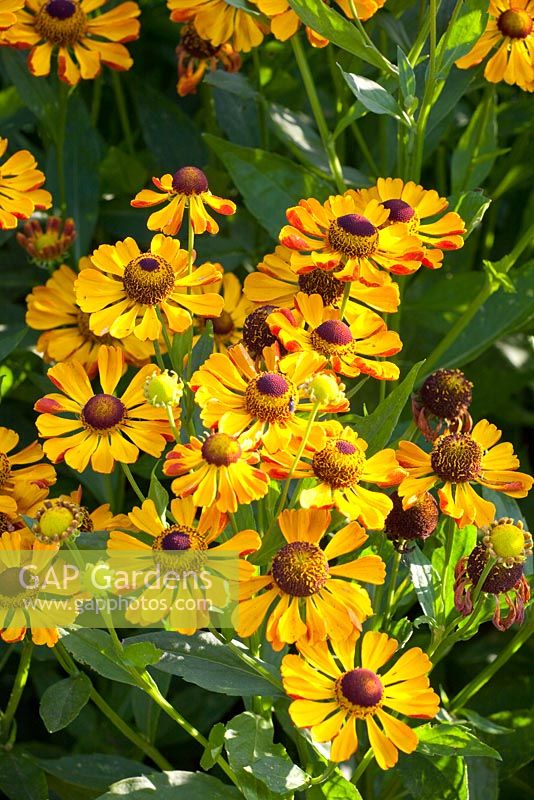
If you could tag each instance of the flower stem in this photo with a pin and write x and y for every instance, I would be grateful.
(283, 496)
(309, 86)
(60, 132)
(159, 357)
(389, 606)
(522, 636)
(386, 65)
(133, 483)
(172, 424)
(362, 766)
(345, 299)
(190, 244)
(123, 111)
(137, 739)
(21, 679)
(416, 161)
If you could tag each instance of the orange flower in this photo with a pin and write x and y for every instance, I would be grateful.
(19, 472)
(20, 192)
(196, 55)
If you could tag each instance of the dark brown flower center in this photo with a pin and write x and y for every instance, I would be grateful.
(515, 23)
(300, 569)
(189, 180)
(271, 397)
(221, 450)
(103, 412)
(501, 577)
(5, 469)
(361, 687)
(417, 522)
(339, 464)
(195, 45)
(148, 279)
(321, 282)
(446, 393)
(5, 523)
(223, 324)
(256, 332)
(456, 457)
(353, 235)
(335, 332)
(61, 22)
(399, 211)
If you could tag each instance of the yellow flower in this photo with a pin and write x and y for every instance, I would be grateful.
(218, 471)
(52, 308)
(457, 460)
(43, 608)
(510, 30)
(357, 243)
(190, 535)
(313, 598)
(410, 204)
(277, 282)
(20, 473)
(285, 22)
(187, 188)
(47, 247)
(337, 467)
(67, 27)
(99, 426)
(228, 326)
(8, 9)
(124, 291)
(196, 55)
(347, 349)
(219, 22)
(334, 691)
(20, 192)
(236, 398)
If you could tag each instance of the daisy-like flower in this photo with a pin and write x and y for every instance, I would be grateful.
(457, 460)
(357, 243)
(20, 187)
(403, 525)
(219, 22)
(228, 326)
(186, 544)
(196, 55)
(82, 41)
(509, 545)
(220, 471)
(337, 469)
(52, 308)
(8, 9)
(285, 22)
(187, 188)
(64, 517)
(443, 401)
(410, 204)
(510, 30)
(347, 349)
(314, 599)
(100, 428)
(277, 282)
(235, 398)
(47, 247)
(20, 471)
(43, 605)
(333, 691)
(124, 290)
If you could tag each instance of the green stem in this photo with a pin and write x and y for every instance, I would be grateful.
(428, 97)
(159, 357)
(309, 85)
(123, 111)
(362, 766)
(285, 491)
(389, 606)
(366, 153)
(190, 244)
(386, 65)
(60, 133)
(355, 389)
(133, 483)
(166, 339)
(522, 636)
(233, 522)
(332, 767)
(172, 423)
(137, 739)
(97, 99)
(248, 660)
(21, 679)
(345, 299)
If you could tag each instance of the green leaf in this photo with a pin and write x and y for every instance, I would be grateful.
(444, 739)
(406, 77)
(504, 506)
(121, 173)
(169, 133)
(96, 771)
(337, 29)
(205, 661)
(268, 182)
(38, 95)
(214, 747)
(158, 493)
(466, 30)
(482, 779)
(232, 82)
(94, 648)
(203, 348)
(141, 654)
(423, 579)
(438, 777)
(483, 724)
(10, 342)
(516, 748)
(172, 786)
(471, 206)
(335, 788)
(62, 702)
(377, 428)
(473, 159)
(263, 768)
(20, 778)
(373, 96)
(463, 542)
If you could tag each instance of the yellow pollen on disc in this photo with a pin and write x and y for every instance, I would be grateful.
(353, 235)
(300, 569)
(339, 464)
(271, 397)
(5, 469)
(61, 22)
(55, 521)
(507, 540)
